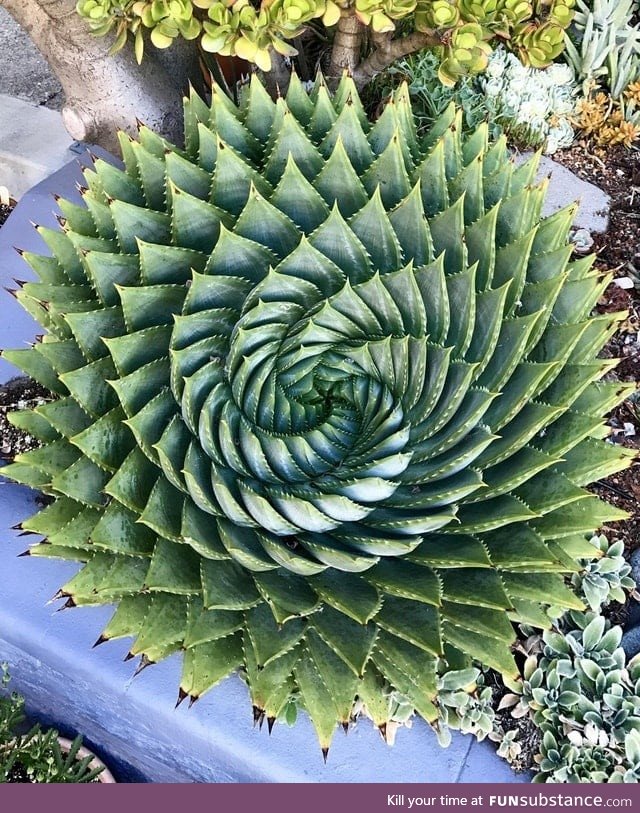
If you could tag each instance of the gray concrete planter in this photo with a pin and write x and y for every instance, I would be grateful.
(132, 723)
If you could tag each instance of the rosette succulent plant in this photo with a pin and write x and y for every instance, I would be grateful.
(539, 44)
(328, 399)
(466, 53)
(437, 14)
(167, 20)
(380, 14)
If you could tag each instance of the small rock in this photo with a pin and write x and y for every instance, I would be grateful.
(634, 561)
(633, 615)
(629, 430)
(565, 187)
(633, 619)
(626, 283)
(631, 642)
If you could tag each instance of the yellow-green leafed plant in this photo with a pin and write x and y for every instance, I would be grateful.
(363, 36)
(328, 400)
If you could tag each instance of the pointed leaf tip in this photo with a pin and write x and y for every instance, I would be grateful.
(270, 723)
(325, 754)
(257, 714)
(101, 640)
(60, 594)
(144, 662)
(182, 695)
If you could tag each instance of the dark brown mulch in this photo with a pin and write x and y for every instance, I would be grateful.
(5, 211)
(617, 172)
(17, 394)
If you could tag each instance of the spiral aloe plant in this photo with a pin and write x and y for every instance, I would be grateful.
(327, 400)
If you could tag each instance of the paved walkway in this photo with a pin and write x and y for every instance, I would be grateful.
(24, 73)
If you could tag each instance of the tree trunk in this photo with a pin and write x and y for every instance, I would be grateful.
(103, 93)
(388, 50)
(347, 42)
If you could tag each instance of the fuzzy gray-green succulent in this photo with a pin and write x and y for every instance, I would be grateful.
(606, 578)
(464, 704)
(585, 698)
(328, 398)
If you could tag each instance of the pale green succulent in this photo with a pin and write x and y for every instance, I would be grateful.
(584, 697)
(514, 12)
(543, 696)
(478, 11)
(112, 16)
(563, 762)
(380, 14)
(439, 14)
(607, 50)
(165, 19)
(168, 19)
(538, 44)
(327, 400)
(466, 53)
(102, 15)
(562, 12)
(240, 30)
(508, 746)
(629, 771)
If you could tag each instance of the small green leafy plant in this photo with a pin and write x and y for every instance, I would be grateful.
(430, 98)
(35, 756)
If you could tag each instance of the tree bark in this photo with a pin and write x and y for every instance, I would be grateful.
(103, 93)
(347, 43)
(387, 50)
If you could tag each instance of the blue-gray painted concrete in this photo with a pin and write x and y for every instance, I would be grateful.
(132, 722)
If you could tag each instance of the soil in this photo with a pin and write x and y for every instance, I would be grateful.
(19, 393)
(618, 251)
(5, 211)
(18, 775)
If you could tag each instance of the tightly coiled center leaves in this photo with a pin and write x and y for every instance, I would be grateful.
(327, 400)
